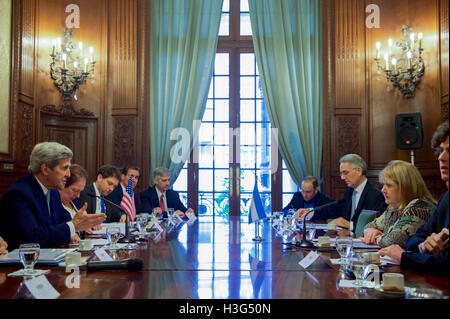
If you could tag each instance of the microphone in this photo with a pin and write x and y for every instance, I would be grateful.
(304, 243)
(125, 239)
(130, 264)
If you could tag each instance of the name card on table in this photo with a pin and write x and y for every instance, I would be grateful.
(102, 255)
(40, 288)
(192, 217)
(309, 259)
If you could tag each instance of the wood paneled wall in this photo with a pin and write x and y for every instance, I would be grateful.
(359, 106)
(358, 110)
(108, 122)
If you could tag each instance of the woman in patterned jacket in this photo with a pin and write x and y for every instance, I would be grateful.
(410, 206)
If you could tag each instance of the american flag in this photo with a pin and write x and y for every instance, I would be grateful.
(128, 200)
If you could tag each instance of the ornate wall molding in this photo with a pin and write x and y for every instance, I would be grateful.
(66, 111)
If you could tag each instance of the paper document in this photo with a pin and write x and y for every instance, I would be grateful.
(388, 260)
(46, 255)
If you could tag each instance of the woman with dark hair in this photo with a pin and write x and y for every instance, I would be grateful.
(74, 185)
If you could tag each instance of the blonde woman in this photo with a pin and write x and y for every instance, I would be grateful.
(410, 205)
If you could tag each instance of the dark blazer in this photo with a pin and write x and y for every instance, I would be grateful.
(113, 214)
(150, 200)
(298, 201)
(371, 199)
(25, 217)
(426, 262)
(116, 195)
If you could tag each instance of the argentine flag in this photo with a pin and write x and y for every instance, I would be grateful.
(256, 207)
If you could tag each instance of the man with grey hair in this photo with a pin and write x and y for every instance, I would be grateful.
(31, 209)
(360, 194)
(159, 198)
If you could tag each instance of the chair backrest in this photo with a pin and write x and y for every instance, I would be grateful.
(365, 217)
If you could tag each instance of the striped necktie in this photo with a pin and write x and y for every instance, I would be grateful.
(353, 203)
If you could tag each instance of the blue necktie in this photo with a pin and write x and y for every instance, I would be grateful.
(102, 203)
(47, 197)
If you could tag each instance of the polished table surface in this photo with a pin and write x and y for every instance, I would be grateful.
(217, 258)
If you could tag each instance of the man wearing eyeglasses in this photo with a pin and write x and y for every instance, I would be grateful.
(360, 194)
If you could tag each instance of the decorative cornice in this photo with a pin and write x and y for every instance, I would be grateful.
(66, 110)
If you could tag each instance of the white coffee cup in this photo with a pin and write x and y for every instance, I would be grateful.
(85, 244)
(393, 281)
(331, 226)
(73, 258)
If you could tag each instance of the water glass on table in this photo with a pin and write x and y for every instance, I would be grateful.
(359, 263)
(113, 234)
(29, 254)
(344, 246)
(310, 234)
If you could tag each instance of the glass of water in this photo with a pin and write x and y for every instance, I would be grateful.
(310, 234)
(113, 234)
(29, 254)
(344, 246)
(359, 267)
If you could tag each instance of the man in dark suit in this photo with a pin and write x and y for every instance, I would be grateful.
(427, 250)
(31, 209)
(360, 194)
(309, 197)
(117, 194)
(159, 197)
(107, 179)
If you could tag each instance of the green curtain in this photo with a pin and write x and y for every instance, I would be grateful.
(287, 40)
(184, 35)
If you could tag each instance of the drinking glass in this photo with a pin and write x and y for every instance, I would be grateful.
(139, 223)
(29, 254)
(310, 234)
(169, 212)
(344, 246)
(359, 267)
(113, 234)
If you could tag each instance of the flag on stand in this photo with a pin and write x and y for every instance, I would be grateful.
(256, 207)
(128, 201)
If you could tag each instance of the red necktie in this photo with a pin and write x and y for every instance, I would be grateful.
(161, 203)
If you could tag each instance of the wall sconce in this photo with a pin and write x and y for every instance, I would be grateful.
(406, 68)
(70, 66)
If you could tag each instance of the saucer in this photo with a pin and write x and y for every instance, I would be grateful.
(63, 264)
(397, 293)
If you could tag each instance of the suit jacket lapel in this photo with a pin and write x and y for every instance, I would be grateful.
(41, 201)
(362, 198)
(154, 197)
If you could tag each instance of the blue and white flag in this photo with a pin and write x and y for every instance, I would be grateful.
(256, 207)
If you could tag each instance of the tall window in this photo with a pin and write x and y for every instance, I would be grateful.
(234, 142)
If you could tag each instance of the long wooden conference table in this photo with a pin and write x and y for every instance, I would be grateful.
(216, 258)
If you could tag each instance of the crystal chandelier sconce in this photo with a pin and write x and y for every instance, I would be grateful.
(402, 61)
(70, 65)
